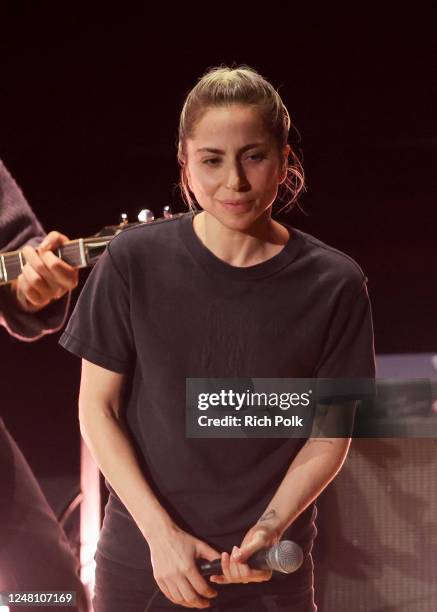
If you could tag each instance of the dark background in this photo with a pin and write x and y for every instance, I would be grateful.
(90, 104)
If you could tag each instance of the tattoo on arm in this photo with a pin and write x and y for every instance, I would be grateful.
(270, 514)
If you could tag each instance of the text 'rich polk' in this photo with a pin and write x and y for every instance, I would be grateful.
(250, 421)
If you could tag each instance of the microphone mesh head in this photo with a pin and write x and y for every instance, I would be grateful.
(286, 557)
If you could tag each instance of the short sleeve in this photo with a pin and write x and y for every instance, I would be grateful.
(348, 351)
(99, 328)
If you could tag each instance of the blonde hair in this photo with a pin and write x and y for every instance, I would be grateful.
(222, 86)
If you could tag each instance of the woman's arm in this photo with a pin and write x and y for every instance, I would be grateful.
(104, 431)
(173, 551)
(314, 467)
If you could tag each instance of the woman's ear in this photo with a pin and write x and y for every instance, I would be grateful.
(284, 164)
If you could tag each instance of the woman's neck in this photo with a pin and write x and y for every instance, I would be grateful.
(241, 248)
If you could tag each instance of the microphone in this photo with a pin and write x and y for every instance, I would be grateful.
(285, 557)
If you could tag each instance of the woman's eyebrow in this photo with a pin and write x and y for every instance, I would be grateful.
(220, 152)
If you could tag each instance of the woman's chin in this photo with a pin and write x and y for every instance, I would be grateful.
(238, 220)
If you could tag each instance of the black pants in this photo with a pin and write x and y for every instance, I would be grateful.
(118, 587)
(34, 551)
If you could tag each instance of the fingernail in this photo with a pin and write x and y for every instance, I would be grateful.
(235, 552)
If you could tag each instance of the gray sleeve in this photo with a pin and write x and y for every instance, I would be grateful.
(19, 226)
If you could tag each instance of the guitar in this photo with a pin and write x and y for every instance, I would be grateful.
(79, 253)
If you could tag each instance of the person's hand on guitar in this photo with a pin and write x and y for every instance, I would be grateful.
(45, 277)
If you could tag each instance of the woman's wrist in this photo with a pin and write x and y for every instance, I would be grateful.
(157, 526)
(271, 521)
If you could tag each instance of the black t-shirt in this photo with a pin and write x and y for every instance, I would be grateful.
(161, 307)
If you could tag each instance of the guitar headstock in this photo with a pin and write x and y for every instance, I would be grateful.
(144, 216)
(82, 252)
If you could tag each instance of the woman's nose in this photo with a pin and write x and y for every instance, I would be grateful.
(236, 178)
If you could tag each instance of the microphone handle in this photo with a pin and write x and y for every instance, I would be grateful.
(210, 568)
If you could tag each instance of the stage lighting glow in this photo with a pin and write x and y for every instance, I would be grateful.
(89, 517)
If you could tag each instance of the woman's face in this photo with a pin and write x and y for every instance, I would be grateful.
(233, 165)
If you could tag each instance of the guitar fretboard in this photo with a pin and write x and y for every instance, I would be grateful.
(78, 253)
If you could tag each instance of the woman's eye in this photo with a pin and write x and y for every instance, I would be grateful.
(215, 161)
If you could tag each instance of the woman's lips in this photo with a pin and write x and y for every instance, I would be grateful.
(237, 205)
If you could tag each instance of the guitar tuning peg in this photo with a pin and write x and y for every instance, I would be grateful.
(166, 212)
(123, 219)
(146, 216)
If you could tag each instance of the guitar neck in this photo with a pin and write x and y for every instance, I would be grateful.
(78, 253)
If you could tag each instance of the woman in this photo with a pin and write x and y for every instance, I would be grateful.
(226, 292)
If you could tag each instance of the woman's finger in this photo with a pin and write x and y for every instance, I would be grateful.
(174, 593)
(36, 263)
(190, 596)
(64, 275)
(236, 572)
(47, 276)
(240, 570)
(53, 240)
(33, 287)
(230, 571)
(255, 540)
(164, 589)
(200, 585)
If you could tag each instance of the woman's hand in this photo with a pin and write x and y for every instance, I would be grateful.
(234, 567)
(45, 277)
(173, 556)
